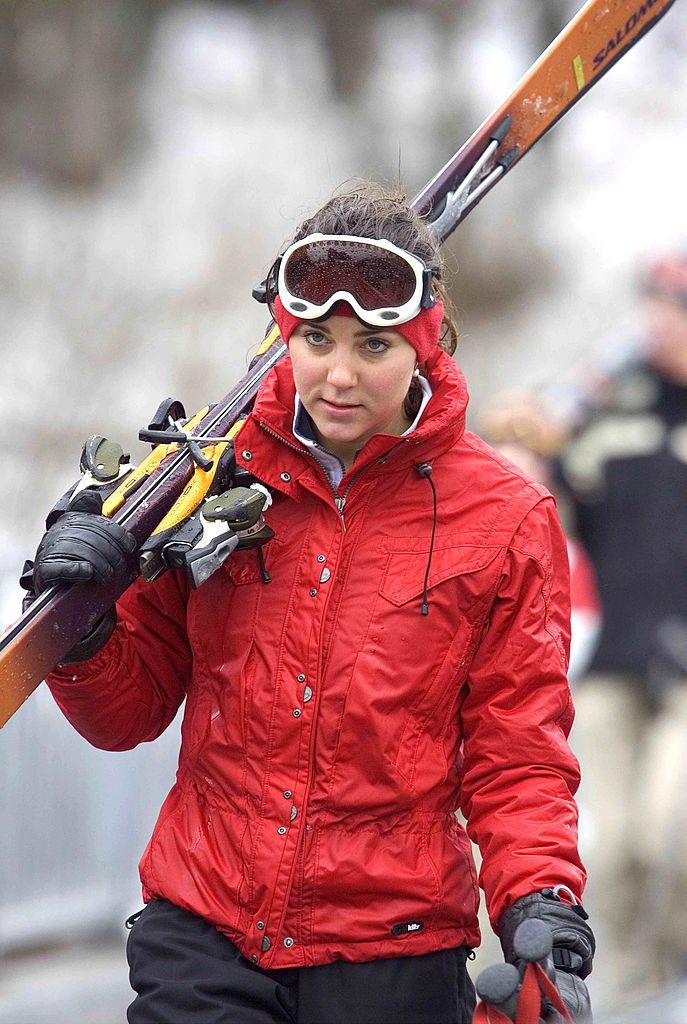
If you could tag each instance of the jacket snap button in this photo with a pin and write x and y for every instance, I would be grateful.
(254, 958)
(307, 695)
(261, 925)
(266, 944)
(294, 812)
(320, 558)
(282, 830)
(313, 592)
(301, 677)
(286, 477)
(297, 713)
(325, 575)
(247, 455)
(288, 942)
(287, 794)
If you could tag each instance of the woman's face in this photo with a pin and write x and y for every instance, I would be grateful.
(352, 380)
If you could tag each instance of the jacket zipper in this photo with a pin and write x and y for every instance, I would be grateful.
(313, 732)
(340, 502)
(301, 451)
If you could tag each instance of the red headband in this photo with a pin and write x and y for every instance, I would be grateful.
(422, 332)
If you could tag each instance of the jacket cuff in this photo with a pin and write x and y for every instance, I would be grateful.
(68, 672)
(93, 641)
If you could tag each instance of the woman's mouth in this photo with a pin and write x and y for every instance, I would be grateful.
(338, 408)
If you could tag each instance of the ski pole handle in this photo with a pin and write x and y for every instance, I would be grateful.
(498, 987)
(533, 942)
(533, 945)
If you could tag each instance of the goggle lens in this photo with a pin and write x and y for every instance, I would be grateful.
(377, 279)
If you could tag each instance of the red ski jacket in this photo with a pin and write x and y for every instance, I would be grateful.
(331, 730)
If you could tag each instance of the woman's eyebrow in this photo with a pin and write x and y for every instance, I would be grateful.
(360, 332)
(314, 324)
(365, 331)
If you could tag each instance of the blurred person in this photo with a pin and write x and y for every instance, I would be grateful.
(627, 469)
(400, 651)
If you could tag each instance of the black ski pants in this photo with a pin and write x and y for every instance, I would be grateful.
(186, 972)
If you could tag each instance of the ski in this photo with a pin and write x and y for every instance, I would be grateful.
(33, 646)
(594, 40)
(153, 499)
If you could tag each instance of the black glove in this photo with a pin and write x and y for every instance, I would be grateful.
(77, 548)
(573, 946)
(80, 547)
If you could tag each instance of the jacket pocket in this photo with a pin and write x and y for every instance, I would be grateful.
(398, 736)
(404, 578)
(460, 585)
(367, 882)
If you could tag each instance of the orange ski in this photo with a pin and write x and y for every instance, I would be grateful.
(599, 35)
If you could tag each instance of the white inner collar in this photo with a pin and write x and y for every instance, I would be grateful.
(332, 464)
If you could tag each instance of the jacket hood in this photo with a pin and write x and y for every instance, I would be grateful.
(441, 425)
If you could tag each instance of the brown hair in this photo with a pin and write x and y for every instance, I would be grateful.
(371, 211)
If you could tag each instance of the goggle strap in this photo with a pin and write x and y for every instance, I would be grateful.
(266, 289)
(259, 292)
(427, 300)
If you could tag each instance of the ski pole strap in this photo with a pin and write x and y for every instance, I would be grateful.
(536, 983)
(485, 1014)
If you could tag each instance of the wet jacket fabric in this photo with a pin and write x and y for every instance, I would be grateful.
(331, 730)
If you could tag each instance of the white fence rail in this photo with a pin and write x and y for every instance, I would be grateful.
(75, 821)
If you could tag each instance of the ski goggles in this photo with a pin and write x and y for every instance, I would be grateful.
(384, 285)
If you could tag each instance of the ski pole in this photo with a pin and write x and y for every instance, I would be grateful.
(510, 995)
(497, 987)
(533, 944)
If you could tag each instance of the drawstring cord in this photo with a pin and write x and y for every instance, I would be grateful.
(266, 578)
(425, 470)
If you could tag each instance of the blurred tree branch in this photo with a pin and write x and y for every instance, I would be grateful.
(67, 83)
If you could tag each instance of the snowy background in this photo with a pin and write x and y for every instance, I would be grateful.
(154, 157)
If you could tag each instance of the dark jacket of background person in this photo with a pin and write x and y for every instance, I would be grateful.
(628, 472)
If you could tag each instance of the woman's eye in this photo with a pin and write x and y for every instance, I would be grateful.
(376, 345)
(315, 338)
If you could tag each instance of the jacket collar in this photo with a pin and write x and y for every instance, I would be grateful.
(440, 426)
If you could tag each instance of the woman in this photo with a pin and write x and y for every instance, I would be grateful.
(408, 655)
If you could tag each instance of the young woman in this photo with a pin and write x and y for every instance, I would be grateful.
(407, 657)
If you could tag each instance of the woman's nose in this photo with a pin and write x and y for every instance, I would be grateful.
(341, 372)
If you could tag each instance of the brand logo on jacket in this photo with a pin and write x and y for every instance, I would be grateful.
(407, 928)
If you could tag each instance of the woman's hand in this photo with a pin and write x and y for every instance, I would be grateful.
(80, 547)
(573, 947)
